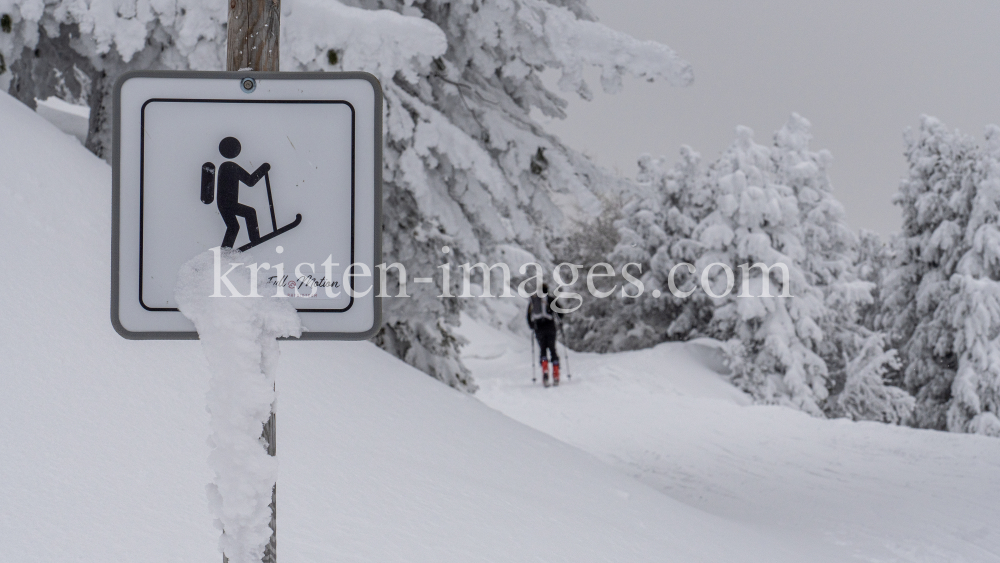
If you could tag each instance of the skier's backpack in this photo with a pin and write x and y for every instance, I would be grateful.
(540, 309)
(207, 183)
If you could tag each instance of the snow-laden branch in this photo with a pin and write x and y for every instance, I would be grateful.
(381, 42)
(580, 43)
(378, 41)
(124, 25)
(534, 34)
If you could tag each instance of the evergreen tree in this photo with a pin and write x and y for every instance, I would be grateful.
(814, 340)
(865, 395)
(757, 222)
(974, 304)
(872, 264)
(936, 200)
(828, 264)
(872, 383)
(648, 240)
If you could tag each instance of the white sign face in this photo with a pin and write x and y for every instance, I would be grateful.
(288, 165)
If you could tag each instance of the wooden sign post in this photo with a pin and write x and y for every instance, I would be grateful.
(252, 44)
(254, 26)
(297, 157)
(314, 139)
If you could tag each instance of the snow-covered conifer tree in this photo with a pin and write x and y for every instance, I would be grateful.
(828, 264)
(872, 263)
(814, 339)
(872, 378)
(465, 165)
(770, 205)
(936, 200)
(757, 222)
(975, 305)
(865, 395)
(735, 212)
(943, 298)
(651, 239)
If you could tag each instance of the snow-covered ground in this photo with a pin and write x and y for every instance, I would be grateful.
(103, 453)
(838, 490)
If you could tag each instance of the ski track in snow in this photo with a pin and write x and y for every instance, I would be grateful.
(842, 491)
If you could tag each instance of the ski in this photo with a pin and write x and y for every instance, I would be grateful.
(272, 234)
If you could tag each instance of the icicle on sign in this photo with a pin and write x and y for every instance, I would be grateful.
(287, 167)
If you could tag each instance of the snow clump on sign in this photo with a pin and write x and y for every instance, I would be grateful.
(238, 335)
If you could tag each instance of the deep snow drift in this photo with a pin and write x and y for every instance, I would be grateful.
(839, 490)
(103, 440)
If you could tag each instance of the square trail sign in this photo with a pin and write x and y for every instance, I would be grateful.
(286, 164)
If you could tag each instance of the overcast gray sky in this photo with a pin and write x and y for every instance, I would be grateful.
(860, 71)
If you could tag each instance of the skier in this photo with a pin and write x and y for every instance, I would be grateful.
(542, 319)
(230, 176)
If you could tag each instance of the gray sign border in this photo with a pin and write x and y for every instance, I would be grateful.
(116, 193)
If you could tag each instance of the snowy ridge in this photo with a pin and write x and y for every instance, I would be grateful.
(69, 118)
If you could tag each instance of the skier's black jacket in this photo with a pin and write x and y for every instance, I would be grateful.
(541, 324)
(545, 328)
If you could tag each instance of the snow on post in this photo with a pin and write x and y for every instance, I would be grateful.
(238, 335)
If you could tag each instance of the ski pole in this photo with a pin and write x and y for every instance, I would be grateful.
(532, 338)
(565, 351)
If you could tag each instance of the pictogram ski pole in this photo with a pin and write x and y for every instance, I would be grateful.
(270, 200)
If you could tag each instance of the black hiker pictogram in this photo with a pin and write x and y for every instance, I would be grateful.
(231, 175)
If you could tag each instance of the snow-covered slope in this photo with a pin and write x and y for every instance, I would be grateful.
(69, 118)
(839, 490)
(102, 440)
